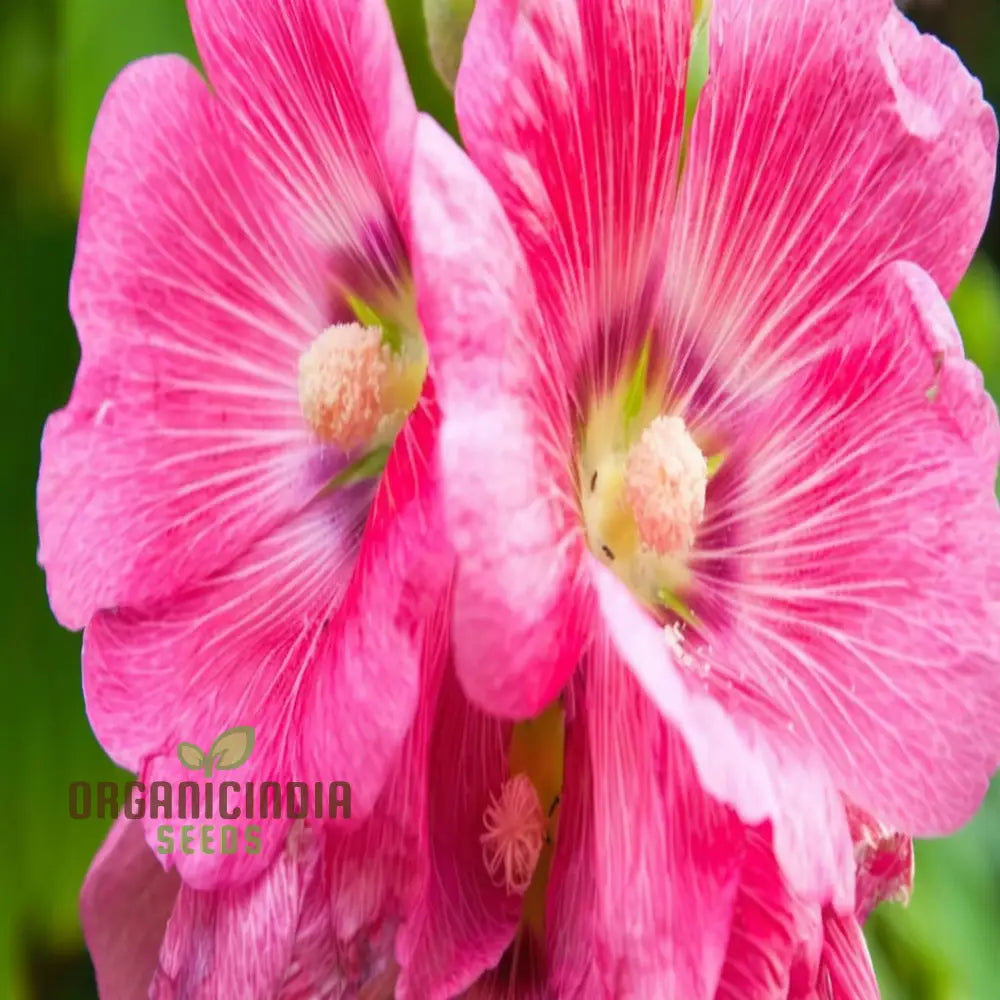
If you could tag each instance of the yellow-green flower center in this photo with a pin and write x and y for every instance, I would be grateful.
(520, 824)
(643, 486)
(355, 390)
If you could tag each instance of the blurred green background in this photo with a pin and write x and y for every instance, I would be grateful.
(56, 59)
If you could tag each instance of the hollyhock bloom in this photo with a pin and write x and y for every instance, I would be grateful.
(415, 901)
(232, 498)
(705, 408)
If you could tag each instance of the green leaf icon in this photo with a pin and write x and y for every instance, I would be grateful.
(231, 749)
(190, 756)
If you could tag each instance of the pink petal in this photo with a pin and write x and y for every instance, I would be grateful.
(493, 986)
(193, 298)
(343, 945)
(125, 903)
(236, 942)
(509, 506)
(317, 649)
(321, 92)
(739, 761)
(379, 872)
(830, 140)
(578, 963)
(574, 112)
(784, 946)
(243, 649)
(646, 864)
(460, 922)
(845, 969)
(371, 873)
(363, 700)
(776, 938)
(864, 542)
(319, 922)
(245, 637)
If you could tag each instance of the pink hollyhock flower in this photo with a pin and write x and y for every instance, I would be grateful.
(484, 871)
(704, 403)
(232, 499)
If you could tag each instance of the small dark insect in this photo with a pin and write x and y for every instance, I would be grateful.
(608, 552)
(552, 808)
(593, 481)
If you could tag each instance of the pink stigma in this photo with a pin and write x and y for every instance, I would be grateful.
(666, 476)
(515, 835)
(340, 384)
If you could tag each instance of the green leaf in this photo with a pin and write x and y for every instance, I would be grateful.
(447, 21)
